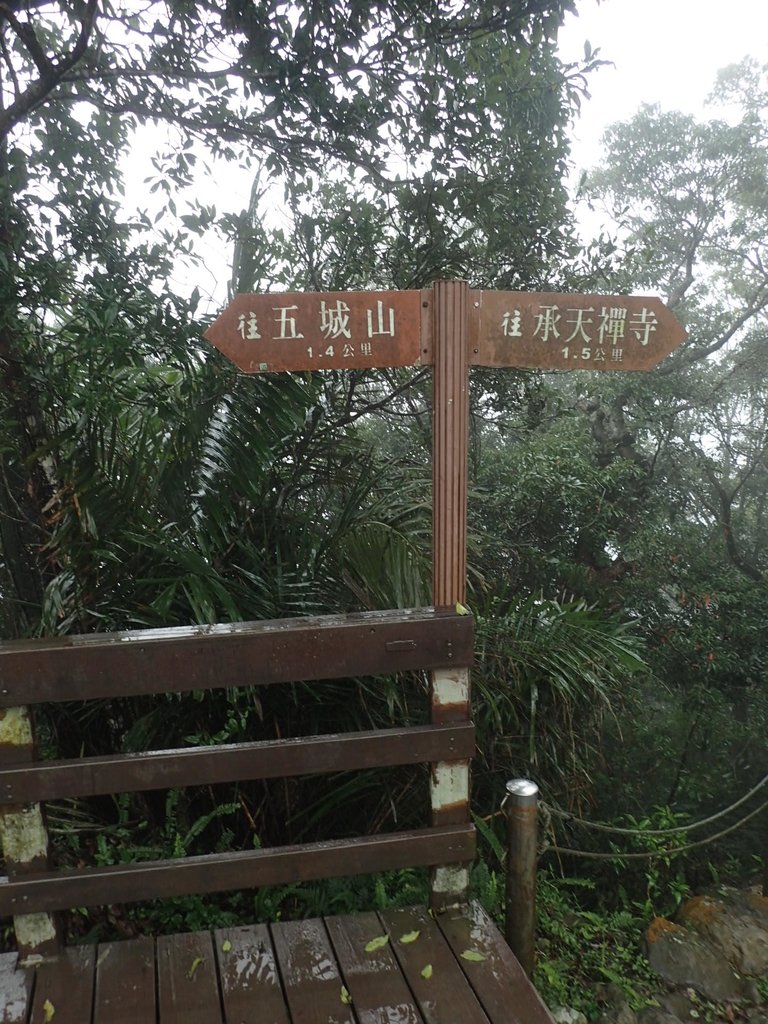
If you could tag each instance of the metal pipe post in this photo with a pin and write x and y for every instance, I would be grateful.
(520, 807)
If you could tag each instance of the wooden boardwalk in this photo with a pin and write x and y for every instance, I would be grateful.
(393, 967)
(453, 968)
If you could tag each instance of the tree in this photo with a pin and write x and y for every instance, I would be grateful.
(464, 213)
(691, 207)
(91, 338)
(688, 201)
(299, 83)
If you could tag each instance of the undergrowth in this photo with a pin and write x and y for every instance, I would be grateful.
(295, 901)
(583, 956)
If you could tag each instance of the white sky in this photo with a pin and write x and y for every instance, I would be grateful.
(664, 51)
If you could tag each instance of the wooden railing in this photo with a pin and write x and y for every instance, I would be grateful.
(92, 667)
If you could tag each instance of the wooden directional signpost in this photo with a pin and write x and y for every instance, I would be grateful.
(450, 327)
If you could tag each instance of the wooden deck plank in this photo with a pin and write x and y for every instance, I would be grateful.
(187, 981)
(250, 985)
(125, 982)
(286, 973)
(442, 992)
(311, 976)
(379, 992)
(499, 981)
(64, 987)
(15, 990)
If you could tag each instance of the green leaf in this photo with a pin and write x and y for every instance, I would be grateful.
(409, 937)
(377, 943)
(426, 972)
(226, 946)
(490, 836)
(195, 966)
(474, 955)
(346, 998)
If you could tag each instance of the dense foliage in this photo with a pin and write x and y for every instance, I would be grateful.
(143, 482)
(100, 360)
(617, 523)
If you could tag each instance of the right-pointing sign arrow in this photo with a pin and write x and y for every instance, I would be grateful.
(571, 332)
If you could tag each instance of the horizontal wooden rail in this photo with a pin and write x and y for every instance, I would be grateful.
(109, 666)
(104, 665)
(195, 766)
(45, 892)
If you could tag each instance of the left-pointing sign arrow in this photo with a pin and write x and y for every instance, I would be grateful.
(320, 330)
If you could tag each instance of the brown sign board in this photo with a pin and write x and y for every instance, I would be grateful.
(552, 331)
(321, 331)
(363, 330)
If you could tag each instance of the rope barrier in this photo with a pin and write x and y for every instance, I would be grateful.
(650, 854)
(616, 830)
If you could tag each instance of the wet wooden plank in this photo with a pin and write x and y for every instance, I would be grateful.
(442, 992)
(15, 990)
(250, 984)
(314, 959)
(270, 759)
(499, 981)
(125, 982)
(238, 654)
(187, 982)
(226, 871)
(379, 992)
(311, 976)
(64, 987)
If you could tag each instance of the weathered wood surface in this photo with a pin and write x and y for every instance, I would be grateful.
(241, 654)
(102, 665)
(309, 972)
(220, 872)
(270, 759)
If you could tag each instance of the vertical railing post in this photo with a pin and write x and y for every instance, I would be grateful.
(521, 807)
(449, 687)
(23, 836)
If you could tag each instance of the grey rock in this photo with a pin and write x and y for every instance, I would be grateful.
(680, 1003)
(736, 923)
(686, 960)
(625, 1015)
(567, 1015)
(622, 1013)
(654, 1015)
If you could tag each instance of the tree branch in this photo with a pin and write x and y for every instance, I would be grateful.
(725, 500)
(758, 305)
(27, 35)
(52, 73)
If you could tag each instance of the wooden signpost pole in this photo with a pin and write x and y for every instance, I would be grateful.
(450, 415)
(450, 688)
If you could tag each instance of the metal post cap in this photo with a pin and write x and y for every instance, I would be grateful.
(521, 792)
